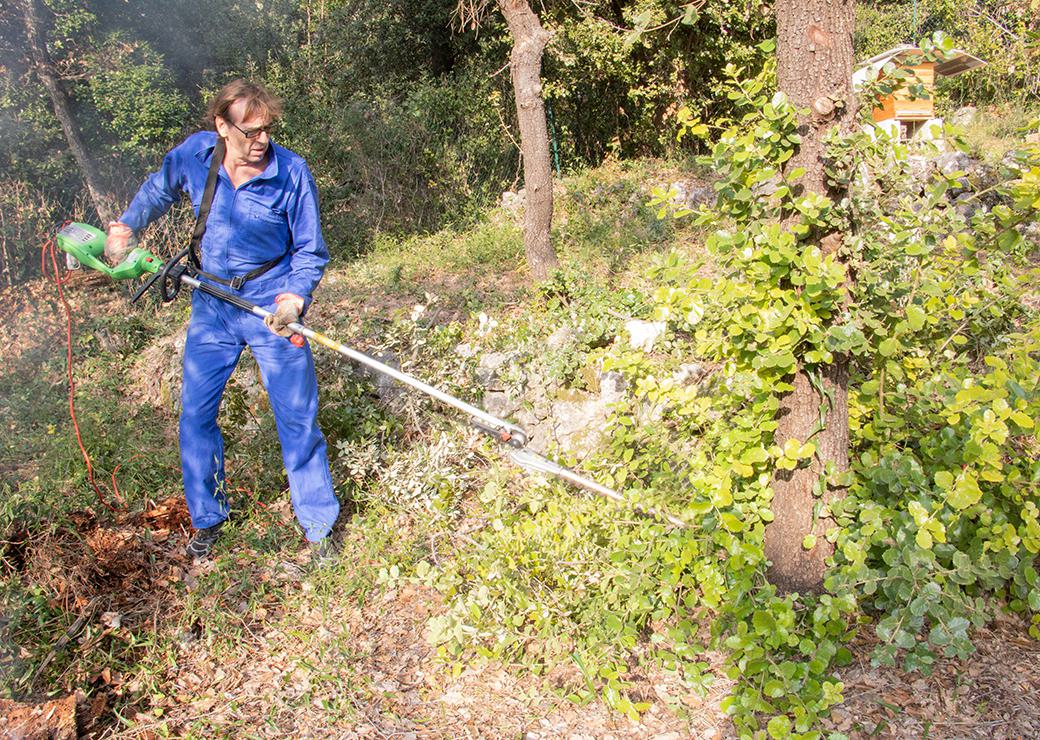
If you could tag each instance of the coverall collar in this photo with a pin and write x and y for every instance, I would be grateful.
(205, 153)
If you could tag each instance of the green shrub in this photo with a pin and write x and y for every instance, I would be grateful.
(939, 527)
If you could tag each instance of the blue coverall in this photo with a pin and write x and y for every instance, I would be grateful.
(275, 213)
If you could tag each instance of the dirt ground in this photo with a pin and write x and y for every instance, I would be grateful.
(364, 668)
(336, 667)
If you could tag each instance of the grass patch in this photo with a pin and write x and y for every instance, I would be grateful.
(997, 129)
(406, 480)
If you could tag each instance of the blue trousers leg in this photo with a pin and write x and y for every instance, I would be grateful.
(210, 355)
(288, 374)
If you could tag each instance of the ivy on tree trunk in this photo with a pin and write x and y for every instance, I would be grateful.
(814, 70)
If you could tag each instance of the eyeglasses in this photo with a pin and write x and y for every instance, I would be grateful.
(253, 132)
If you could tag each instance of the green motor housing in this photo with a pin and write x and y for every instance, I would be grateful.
(86, 244)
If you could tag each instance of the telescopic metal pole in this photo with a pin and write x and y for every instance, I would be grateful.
(364, 359)
(500, 429)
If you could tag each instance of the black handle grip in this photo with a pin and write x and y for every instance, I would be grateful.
(147, 284)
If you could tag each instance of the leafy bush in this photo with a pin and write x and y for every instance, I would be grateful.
(134, 92)
(398, 163)
(939, 525)
(613, 71)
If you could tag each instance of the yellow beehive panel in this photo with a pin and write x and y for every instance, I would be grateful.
(901, 105)
(887, 109)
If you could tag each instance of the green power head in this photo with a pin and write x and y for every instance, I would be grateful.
(87, 244)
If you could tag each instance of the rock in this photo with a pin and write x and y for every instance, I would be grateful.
(920, 167)
(950, 162)
(465, 350)
(489, 366)
(612, 386)
(691, 194)
(964, 116)
(500, 404)
(644, 334)
(1013, 163)
(967, 205)
(978, 175)
(562, 337)
(578, 425)
(689, 373)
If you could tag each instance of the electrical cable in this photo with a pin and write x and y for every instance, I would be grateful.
(48, 247)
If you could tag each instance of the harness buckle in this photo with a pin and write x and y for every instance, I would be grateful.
(237, 282)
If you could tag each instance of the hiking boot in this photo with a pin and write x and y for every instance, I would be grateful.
(323, 553)
(202, 541)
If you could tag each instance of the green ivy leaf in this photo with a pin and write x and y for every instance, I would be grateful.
(722, 497)
(691, 16)
(774, 689)
(915, 317)
(731, 522)
(779, 728)
(889, 347)
(1023, 420)
(923, 539)
(1034, 600)
(965, 493)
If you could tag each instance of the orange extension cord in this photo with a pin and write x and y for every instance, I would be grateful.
(49, 248)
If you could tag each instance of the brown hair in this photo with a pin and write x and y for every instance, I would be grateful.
(259, 100)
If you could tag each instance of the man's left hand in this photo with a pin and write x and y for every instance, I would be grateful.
(289, 307)
(119, 242)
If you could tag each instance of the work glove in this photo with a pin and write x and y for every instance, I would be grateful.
(287, 311)
(120, 242)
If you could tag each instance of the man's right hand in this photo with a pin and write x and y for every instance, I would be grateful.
(120, 241)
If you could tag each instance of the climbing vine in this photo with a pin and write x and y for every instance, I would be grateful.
(926, 295)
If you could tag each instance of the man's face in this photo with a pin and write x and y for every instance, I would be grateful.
(234, 130)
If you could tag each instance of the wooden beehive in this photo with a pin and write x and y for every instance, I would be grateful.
(901, 105)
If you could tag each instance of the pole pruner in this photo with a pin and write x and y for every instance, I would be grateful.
(86, 244)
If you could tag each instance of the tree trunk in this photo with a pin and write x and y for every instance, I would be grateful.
(529, 39)
(62, 110)
(814, 70)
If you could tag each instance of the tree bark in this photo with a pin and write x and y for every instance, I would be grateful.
(529, 40)
(62, 109)
(814, 70)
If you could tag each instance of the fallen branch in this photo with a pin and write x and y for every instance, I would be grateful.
(64, 640)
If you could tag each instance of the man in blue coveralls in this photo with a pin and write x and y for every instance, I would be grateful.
(263, 242)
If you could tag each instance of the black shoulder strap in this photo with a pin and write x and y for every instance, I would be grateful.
(195, 255)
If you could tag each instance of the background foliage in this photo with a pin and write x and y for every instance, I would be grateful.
(407, 123)
(406, 119)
